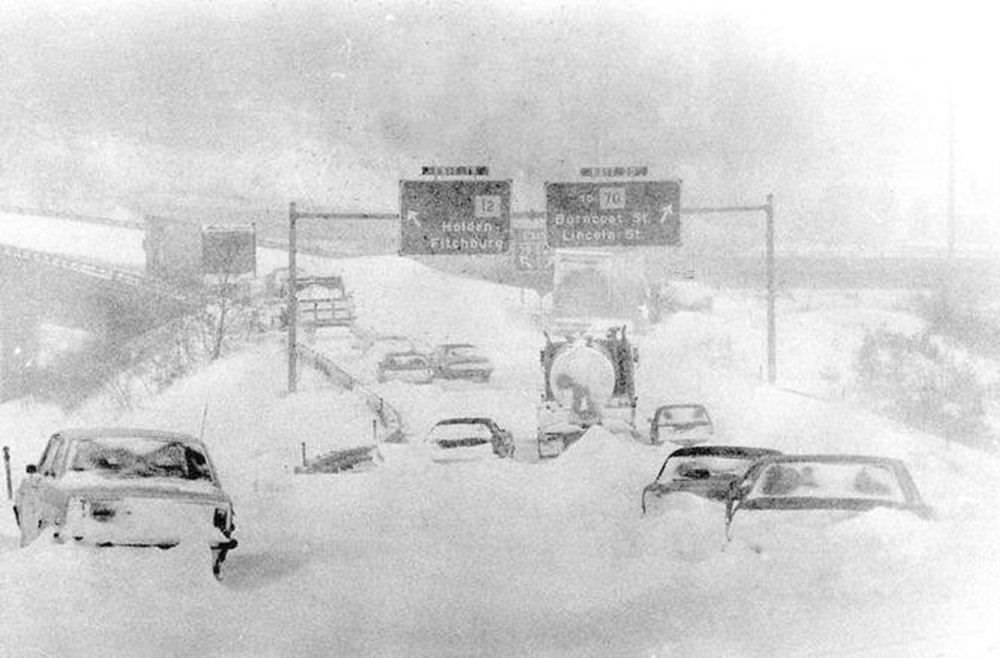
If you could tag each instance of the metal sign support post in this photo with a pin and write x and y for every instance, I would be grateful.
(768, 210)
(293, 301)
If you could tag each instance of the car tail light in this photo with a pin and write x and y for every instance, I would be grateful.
(102, 510)
(221, 520)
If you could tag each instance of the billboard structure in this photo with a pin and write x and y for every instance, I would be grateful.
(229, 249)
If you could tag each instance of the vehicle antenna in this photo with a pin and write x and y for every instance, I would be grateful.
(204, 415)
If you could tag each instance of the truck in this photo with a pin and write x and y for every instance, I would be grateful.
(594, 287)
(589, 379)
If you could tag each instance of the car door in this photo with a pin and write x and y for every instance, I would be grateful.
(31, 494)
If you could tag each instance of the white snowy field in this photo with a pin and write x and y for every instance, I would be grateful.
(506, 557)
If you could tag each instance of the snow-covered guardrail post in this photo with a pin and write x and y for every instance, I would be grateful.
(6, 469)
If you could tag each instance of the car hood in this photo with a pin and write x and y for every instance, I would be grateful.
(92, 484)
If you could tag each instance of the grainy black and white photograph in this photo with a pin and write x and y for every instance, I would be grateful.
(499, 328)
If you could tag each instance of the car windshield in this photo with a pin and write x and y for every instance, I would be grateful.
(452, 431)
(683, 416)
(828, 481)
(140, 457)
(703, 466)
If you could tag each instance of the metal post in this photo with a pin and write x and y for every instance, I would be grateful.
(293, 307)
(6, 468)
(772, 349)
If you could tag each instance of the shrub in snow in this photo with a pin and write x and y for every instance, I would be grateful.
(922, 383)
(964, 316)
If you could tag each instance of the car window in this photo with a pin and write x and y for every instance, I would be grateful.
(683, 415)
(829, 480)
(463, 351)
(140, 457)
(451, 431)
(48, 460)
(703, 466)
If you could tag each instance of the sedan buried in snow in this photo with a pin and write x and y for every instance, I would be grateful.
(843, 485)
(683, 424)
(461, 361)
(126, 487)
(706, 471)
(469, 439)
(410, 367)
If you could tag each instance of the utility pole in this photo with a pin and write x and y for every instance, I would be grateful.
(949, 284)
(768, 210)
(772, 340)
(293, 302)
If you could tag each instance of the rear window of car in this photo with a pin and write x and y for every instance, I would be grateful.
(451, 431)
(409, 361)
(702, 466)
(139, 457)
(679, 415)
(828, 480)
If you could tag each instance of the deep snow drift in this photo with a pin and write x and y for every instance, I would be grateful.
(507, 557)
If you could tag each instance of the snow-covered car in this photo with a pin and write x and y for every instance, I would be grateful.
(469, 439)
(126, 487)
(410, 367)
(706, 471)
(461, 361)
(683, 424)
(833, 487)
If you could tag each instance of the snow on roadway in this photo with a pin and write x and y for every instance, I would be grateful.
(502, 557)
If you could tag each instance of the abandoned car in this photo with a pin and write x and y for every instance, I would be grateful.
(469, 439)
(706, 471)
(461, 361)
(126, 487)
(409, 367)
(683, 424)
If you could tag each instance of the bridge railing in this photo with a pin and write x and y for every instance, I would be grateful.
(98, 271)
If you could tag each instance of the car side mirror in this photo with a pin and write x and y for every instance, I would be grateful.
(30, 469)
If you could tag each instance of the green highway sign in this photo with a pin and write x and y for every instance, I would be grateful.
(465, 217)
(612, 214)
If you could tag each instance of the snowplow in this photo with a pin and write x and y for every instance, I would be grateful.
(589, 380)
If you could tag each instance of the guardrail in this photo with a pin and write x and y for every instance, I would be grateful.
(387, 415)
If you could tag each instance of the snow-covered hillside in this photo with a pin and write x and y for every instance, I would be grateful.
(509, 557)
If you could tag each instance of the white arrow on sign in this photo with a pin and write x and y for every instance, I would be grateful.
(411, 216)
(667, 211)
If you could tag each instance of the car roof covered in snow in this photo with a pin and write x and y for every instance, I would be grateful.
(833, 458)
(114, 432)
(724, 451)
(466, 420)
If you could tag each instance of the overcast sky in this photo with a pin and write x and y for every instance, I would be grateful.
(334, 102)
